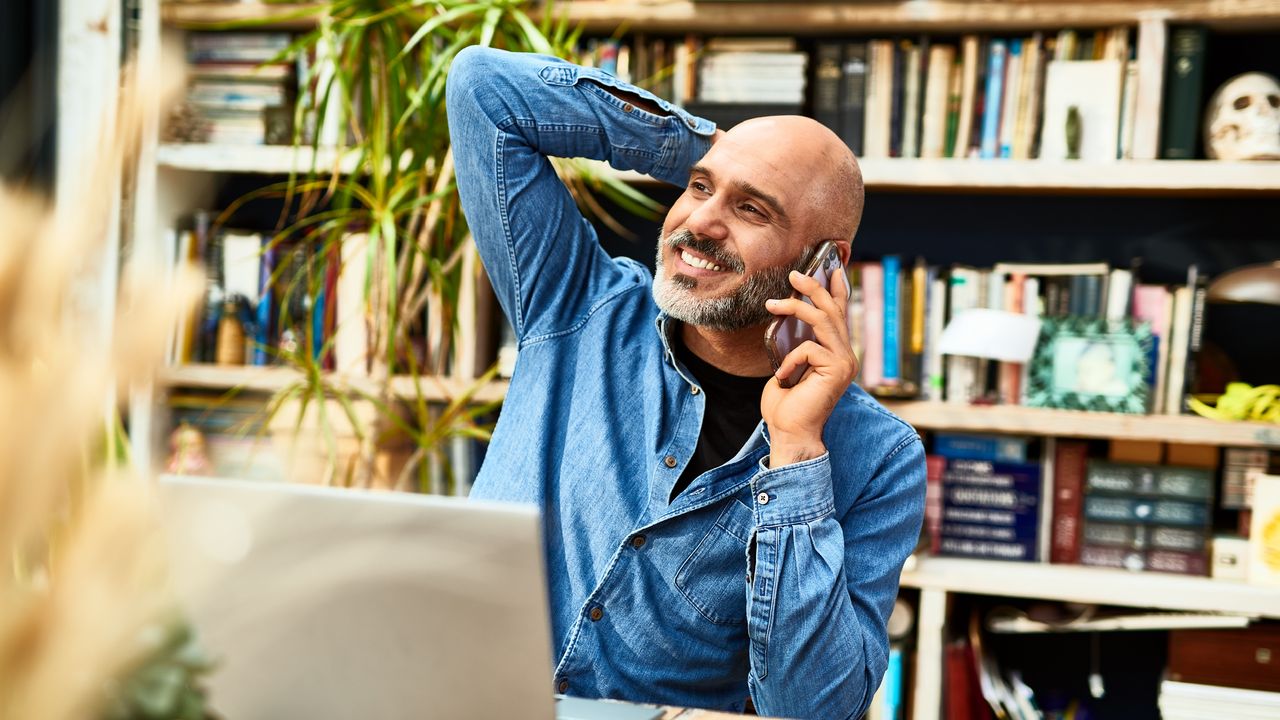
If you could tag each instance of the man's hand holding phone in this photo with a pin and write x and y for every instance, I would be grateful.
(796, 415)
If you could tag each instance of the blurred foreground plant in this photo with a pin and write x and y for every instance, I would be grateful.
(78, 533)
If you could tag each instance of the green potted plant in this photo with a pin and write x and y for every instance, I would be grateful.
(376, 71)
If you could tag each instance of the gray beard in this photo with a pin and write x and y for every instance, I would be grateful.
(740, 309)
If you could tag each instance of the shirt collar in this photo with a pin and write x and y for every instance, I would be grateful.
(665, 325)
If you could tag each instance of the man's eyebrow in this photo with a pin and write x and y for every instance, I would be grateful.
(747, 189)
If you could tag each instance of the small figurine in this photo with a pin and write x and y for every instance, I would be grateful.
(187, 455)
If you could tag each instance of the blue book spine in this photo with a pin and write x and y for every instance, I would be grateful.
(1006, 148)
(963, 446)
(992, 104)
(893, 685)
(892, 342)
(317, 325)
(262, 333)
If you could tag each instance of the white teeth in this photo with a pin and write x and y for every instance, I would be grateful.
(699, 262)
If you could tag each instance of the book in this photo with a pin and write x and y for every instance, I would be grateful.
(1156, 481)
(989, 147)
(1012, 98)
(1179, 340)
(911, 100)
(968, 96)
(991, 509)
(879, 99)
(1183, 87)
(932, 385)
(1127, 509)
(1093, 89)
(937, 102)
(827, 61)
(891, 265)
(873, 355)
(853, 95)
(897, 95)
(967, 446)
(1264, 533)
(935, 468)
(1070, 461)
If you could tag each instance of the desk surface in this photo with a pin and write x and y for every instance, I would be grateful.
(673, 713)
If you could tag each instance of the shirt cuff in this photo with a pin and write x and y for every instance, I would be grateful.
(793, 494)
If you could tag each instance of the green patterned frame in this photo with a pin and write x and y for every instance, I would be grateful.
(1061, 376)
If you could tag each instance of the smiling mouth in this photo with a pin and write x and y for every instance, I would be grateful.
(699, 262)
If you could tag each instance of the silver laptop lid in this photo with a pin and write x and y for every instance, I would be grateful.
(329, 603)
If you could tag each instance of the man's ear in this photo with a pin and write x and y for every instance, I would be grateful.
(846, 249)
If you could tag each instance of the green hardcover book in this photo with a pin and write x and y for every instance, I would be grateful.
(1183, 84)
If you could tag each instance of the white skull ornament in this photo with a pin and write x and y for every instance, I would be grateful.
(1243, 119)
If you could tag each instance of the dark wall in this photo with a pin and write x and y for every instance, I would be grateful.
(28, 89)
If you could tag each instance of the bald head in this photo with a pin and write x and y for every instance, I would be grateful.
(812, 155)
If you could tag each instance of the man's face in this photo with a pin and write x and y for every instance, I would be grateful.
(730, 240)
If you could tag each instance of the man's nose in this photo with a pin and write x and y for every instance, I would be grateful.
(708, 220)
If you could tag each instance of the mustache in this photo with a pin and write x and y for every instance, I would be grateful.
(707, 248)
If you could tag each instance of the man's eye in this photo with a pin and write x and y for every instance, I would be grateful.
(698, 186)
(751, 208)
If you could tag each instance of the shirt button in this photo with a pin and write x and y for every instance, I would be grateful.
(691, 123)
(763, 498)
(695, 390)
(669, 461)
(597, 612)
(627, 107)
(637, 542)
(562, 685)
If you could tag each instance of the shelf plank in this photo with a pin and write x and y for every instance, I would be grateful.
(1130, 177)
(263, 159)
(921, 415)
(1160, 177)
(273, 379)
(1074, 583)
(276, 16)
(683, 16)
(1073, 423)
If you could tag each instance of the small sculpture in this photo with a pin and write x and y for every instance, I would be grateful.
(1242, 121)
(187, 455)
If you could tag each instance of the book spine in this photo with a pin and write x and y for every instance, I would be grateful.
(935, 467)
(962, 446)
(932, 384)
(853, 95)
(1068, 497)
(826, 84)
(897, 96)
(873, 334)
(1012, 97)
(992, 106)
(1184, 80)
(892, 319)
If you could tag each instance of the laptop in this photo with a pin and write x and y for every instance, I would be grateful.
(329, 603)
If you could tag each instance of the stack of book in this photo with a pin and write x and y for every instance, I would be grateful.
(239, 85)
(990, 497)
(1147, 517)
(898, 312)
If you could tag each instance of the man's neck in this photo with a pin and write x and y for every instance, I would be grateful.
(737, 353)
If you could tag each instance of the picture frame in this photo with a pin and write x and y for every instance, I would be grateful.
(1085, 363)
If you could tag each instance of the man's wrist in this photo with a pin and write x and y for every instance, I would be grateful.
(788, 450)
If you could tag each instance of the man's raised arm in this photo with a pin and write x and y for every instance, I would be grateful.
(507, 113)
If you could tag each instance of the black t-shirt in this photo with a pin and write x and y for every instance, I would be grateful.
(732, 413)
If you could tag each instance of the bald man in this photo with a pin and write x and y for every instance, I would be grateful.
(711, 538)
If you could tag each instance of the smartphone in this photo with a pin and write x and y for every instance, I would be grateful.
(787, 332)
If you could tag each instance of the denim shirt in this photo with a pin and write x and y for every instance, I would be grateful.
(653, 600)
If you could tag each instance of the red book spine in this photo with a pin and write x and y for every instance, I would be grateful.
(1068, 501)
(935, 467)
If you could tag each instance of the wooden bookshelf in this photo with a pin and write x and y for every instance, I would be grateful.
(1076, 583)
(273, 379)
(683, 16)
(1072, 423)
(1128, 177)
(921, 415)
(266, 159)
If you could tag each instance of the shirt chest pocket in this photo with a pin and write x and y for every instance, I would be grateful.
(714, 576)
